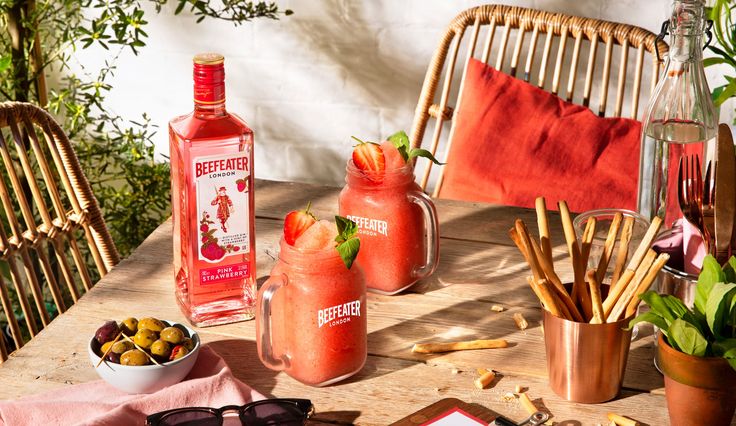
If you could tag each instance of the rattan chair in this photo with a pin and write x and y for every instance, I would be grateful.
(527, 26)
(50, 221)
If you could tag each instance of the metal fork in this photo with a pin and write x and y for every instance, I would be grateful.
(708, 210)
(690, 193)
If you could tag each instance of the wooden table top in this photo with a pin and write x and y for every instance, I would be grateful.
(479, 267)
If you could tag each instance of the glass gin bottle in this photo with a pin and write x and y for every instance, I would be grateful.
(213, 204)
(680, 119)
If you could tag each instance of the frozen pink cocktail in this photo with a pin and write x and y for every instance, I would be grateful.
(397, 221)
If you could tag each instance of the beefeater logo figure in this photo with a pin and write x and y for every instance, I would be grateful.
(224, 207)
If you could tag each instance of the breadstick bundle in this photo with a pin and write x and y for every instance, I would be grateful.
(585, 302)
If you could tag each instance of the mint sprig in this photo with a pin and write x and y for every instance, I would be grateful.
(401, 141)
(348, 243)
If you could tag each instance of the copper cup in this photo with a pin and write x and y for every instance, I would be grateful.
(585, 362)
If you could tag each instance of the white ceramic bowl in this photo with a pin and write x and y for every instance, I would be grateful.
(146, 378)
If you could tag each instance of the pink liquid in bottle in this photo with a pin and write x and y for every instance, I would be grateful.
(213, 204)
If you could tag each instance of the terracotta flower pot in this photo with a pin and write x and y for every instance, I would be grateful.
(699, 390)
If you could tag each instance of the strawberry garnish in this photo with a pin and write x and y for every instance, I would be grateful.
(296, 223)
(368, 157)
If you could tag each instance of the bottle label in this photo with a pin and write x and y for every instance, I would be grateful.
(338, 314)
(223, 183)
(368, 226)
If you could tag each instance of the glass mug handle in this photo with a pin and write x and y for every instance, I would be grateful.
(273, 284)
(433, 238)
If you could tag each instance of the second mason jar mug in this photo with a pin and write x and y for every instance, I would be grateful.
(311, 320)
(399, 230)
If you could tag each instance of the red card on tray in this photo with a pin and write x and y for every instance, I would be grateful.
(449, 412)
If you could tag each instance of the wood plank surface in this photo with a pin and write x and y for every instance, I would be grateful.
(477, 269)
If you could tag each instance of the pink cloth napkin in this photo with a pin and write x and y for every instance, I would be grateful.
(685, 246)
(209, 384)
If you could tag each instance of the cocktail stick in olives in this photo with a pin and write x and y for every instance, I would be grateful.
(145, 338)
(122, 347)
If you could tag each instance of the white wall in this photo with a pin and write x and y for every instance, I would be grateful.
(307, 82)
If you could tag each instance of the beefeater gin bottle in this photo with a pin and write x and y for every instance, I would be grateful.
(212, 203)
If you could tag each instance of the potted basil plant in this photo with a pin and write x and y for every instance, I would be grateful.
(697, 347)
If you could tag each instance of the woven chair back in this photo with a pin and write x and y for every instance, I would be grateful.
(51, 227)
(556, 52)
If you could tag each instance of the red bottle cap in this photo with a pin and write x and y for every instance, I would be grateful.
(209, 78)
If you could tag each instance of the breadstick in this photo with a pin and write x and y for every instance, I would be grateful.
(646, 281)
(543, 225)
(559, 289)
(545, 290)
(520, 321)
(617, 293)
(485, 379)
(587, 242)
(431, 348)
(527, 403)
(621, 420)
(517, 240)
(574, 250)
(644, 286)
(623, 249)
(535, 288)
(523, 233)
(552, 296)
(645, 243)
(608, 246)
(595, 297)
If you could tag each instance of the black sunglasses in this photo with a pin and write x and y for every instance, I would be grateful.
(278, 411)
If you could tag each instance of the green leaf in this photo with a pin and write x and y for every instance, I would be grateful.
(707, 62)
(653, 319)
(687, 338)
(5, 62)
(729, 271)
(717, 307)
(710, 274)
(728, 92)
(346, 229)
(418, 152)
(349, 251)
(659, 306)
(720, 347)
(180, 7)
(348, 242)
(401, 141)
(730, 356)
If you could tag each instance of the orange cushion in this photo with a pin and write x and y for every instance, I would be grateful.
(514, 142)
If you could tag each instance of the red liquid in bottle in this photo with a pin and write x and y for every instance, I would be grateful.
(213, 204)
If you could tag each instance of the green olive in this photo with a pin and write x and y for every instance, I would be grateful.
(178, 352)
(145, 338)
(172, 335)
(151, 324)
(134, 357)
(129, 326)
(188, 343)
(122, 347)
(160, 349)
